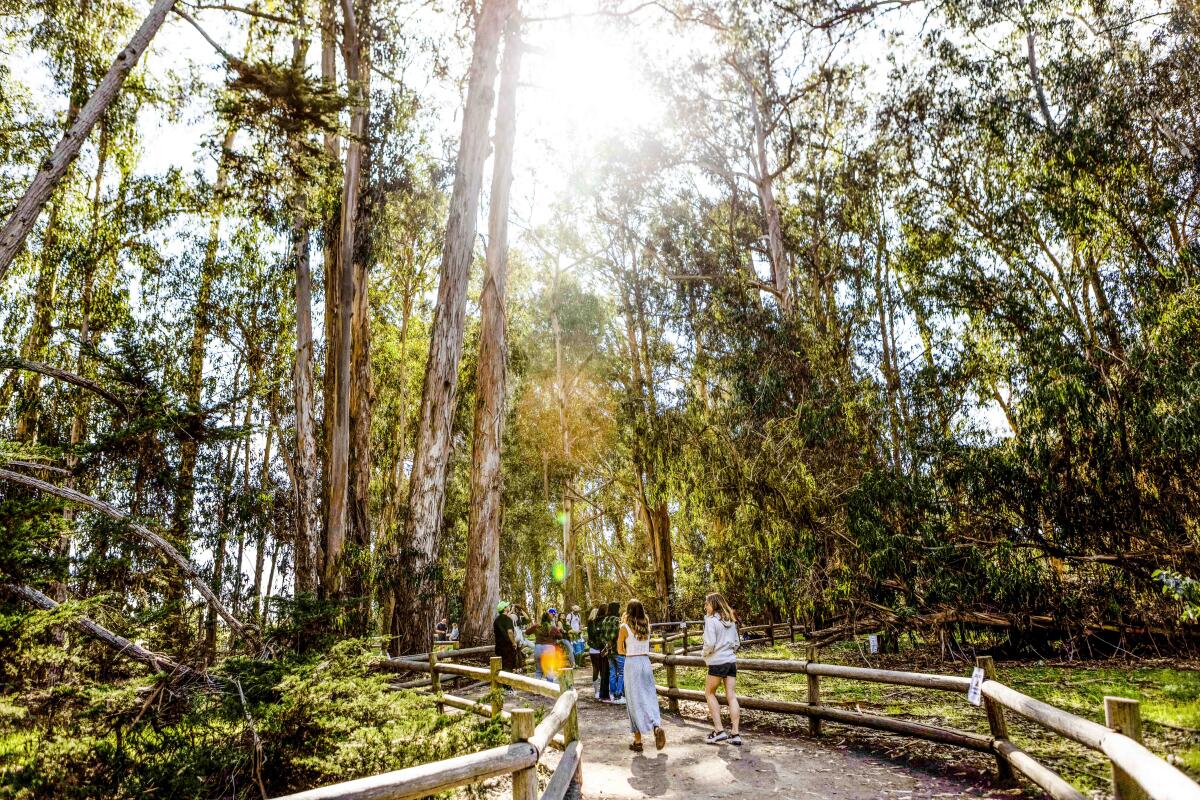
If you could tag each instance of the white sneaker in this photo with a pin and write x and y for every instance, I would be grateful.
(620, 701)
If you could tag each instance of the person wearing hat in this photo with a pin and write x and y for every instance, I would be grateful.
(506, 638)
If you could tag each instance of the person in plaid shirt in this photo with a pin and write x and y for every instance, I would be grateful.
(616, 662)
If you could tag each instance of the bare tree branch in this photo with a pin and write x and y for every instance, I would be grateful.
(166, 548)
(67, 150)
(15, 362)
(253, 12)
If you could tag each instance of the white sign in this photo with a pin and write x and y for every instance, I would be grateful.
(974, 695)
(873, 641)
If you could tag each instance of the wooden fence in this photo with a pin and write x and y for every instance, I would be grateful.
(1136, 772)
(559, 728)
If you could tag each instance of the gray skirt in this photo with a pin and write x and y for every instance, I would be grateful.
(641, 700)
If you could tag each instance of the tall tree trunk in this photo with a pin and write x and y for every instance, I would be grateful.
(308, 552)
(566, 508)
(225, 478)
(260, 539)
(362, 394)
(765, 184)
(664, 561)
(332, 284)
(427, 486)
(483, 533)
(67, 150)
(82, 403)
(337, 523)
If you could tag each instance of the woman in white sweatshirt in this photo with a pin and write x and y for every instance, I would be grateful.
(720, 654)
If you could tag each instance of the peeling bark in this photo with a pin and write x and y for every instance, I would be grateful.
(427, 486)
(483, 535)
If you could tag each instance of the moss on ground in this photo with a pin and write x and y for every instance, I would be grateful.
(1169, 697)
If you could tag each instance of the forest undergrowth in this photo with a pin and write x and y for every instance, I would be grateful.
(267, 728)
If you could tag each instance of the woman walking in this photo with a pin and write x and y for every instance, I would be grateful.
(720, 654)
(595, 643)
(641, 699)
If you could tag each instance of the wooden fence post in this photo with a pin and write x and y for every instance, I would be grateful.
(672, 702)
(436, 680)
(566, 682)
(495, 665)
(685, 637)
(996, 722)
(1124, 716)
(792, 627)
(771, 628)
(814, 693)
(524, 781)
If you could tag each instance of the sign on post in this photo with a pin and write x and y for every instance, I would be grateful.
(873, 641)
(974, 693)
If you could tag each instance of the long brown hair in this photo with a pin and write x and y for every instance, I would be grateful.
(636, 619)
(720, 606)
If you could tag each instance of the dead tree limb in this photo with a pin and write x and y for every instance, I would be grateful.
(189, 570)
(156, 661)
(13, 362)
(67, 150)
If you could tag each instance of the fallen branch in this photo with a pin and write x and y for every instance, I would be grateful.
(187, 567)
(156, 661)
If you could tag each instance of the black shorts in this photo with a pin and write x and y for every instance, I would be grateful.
(723, 670)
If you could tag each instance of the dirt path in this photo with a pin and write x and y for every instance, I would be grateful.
(766, 765)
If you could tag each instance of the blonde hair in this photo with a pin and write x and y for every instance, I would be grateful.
(636, 619)
(720, 606)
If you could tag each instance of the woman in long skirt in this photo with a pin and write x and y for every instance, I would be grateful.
(641, 699)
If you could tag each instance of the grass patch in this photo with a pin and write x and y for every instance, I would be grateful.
(1169, 697)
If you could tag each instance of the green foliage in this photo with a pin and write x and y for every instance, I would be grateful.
(317, 720)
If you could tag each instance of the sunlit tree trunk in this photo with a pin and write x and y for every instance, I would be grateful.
(427, 486)
(483, 536)
(764, 183)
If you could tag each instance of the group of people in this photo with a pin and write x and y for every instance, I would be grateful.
(443, 632)
(552, 642)
(618, 645)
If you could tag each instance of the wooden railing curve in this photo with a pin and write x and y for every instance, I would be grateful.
(1136, 772)
(559, 728)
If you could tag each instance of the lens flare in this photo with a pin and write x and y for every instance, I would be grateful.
(553, 661)
(558, 572)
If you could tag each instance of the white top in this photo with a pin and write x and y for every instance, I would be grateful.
(721, 640)
(573, 621)
(633, 645)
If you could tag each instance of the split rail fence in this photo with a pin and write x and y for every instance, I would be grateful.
(1136, 772)
(559, 728)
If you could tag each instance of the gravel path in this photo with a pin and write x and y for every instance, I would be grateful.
(767, 765)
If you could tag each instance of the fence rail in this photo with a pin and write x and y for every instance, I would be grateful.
(1136, 772)
(559, 728)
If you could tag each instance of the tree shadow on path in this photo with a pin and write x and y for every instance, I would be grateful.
(748, 768)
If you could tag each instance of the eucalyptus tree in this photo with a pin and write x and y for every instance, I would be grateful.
(439, 394)
(482, 583)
